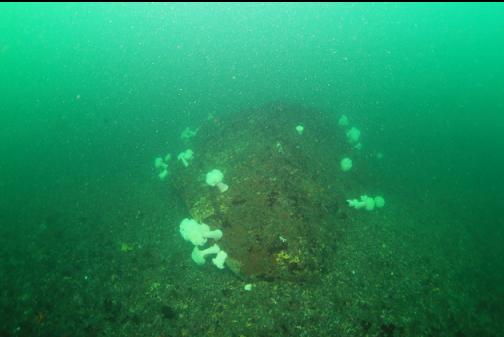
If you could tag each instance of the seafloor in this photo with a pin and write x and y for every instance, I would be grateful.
(104, 258)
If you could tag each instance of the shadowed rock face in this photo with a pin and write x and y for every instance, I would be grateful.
(282, 195)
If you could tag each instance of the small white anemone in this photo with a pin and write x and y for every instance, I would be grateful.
(368, 203)
(198, 234)
(198, 256)
(379, 201)
(161, 165)
(220, 259)
(353, 135)
(214, 178)
(163, 174)
(186, 157)
(300, 129)
(343, 121)
(188, 134)
(346, 164)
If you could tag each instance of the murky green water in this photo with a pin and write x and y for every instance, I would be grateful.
(90, 94)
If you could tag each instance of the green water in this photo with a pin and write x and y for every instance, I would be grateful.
(91, 93)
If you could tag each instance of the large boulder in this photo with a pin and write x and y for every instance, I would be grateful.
(282, 196)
